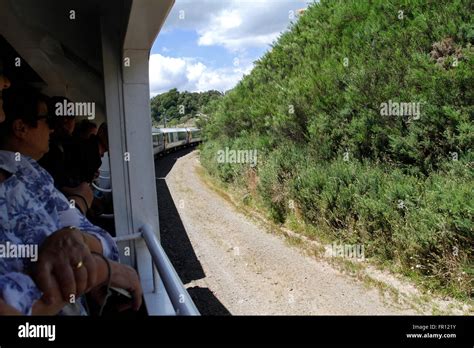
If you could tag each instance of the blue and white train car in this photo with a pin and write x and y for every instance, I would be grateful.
(167, 139)
(175, 137)
(158, 137)
(194, 136)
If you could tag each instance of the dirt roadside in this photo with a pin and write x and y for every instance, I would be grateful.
(247, 270)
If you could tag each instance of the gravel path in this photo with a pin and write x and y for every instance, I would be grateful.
(230, 265)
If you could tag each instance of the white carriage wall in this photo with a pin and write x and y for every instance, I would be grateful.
(127, 94)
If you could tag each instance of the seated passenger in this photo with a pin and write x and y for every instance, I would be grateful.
(91, 153)
(84, 157)
(73, 162)
(61, 155)
(54, 161)
(85, 129)
(34, 214)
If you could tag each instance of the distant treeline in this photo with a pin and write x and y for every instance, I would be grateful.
(179, 107)
(362, 114)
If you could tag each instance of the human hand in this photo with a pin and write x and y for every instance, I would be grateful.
(125, 277)
(64, 262)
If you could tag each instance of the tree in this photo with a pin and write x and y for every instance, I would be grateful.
(180, 107)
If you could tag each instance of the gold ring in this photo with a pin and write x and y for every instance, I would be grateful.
(79, 265)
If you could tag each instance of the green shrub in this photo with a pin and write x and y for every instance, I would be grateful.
(401, 185)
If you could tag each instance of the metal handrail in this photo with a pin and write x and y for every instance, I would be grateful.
(179, 296)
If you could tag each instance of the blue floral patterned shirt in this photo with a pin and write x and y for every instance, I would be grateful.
(31, 209)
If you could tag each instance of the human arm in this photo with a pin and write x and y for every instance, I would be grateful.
(29, 300)
(82, 196)
(101, 240)
(66, 259)
(121, 276)
(64, 250)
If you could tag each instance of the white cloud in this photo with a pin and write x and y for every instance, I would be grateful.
(234, 24)
(192, 75)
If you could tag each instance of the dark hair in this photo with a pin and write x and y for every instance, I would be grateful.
(52, 105)
(56, 121)
(83, 127)
(19, 105)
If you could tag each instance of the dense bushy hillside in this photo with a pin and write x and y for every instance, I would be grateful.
(362, 114)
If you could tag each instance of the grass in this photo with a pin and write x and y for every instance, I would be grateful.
(311, 240)
(331, 166)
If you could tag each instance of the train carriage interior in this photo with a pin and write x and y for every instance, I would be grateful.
(97, 52)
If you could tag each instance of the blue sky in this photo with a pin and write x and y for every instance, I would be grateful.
(211, 44)
(183, 43)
